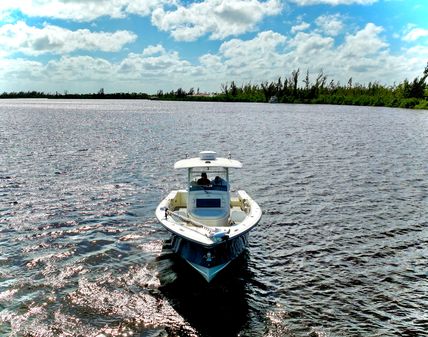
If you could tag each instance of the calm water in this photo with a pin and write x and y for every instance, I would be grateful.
(341, 249)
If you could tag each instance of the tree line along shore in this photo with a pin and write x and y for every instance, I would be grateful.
(297, 88)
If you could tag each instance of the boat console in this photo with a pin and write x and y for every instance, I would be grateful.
(209, 203)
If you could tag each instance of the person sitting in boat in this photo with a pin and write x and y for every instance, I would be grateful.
(203, 180)
(218, 181)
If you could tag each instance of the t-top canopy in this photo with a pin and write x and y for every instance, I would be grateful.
(207, 159)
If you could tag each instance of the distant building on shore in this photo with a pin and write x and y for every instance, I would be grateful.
(203, 94)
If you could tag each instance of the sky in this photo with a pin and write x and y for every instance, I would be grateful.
(81, 46)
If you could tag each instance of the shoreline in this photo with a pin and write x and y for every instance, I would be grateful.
(408, 94)
(369, 101)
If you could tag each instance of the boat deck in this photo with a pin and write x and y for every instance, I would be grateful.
(237, 215)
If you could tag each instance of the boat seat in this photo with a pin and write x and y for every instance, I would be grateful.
(195, 187)
(209, 213)
(236, 215)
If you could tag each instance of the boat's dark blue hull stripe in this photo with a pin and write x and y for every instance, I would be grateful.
(210, 257)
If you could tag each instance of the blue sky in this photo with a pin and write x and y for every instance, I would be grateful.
(148, 45)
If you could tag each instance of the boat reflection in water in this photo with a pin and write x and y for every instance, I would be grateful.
(209, 225)
(219, 308)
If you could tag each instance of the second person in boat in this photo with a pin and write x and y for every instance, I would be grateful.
(203, 180)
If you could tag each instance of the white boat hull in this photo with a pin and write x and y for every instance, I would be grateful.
(200, 246)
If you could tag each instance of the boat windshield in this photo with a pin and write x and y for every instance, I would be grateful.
(215, 178)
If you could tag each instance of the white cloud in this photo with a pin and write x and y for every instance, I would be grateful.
(263, 44)
(146, 7)
(20, 69)
(251, 59)
(305, 44)
(219, 18)
(185, 22)
(155, 62)
(74, 74)
(299, 27)
(78, 68)
(417, 51)
(363, 55)
(365, 42)
(330, 24)
(154, 68)
(20, 37)
(333, 2)
(153, 50)
(68, 9)
(415, 34)
(211, 61)
(79, 10)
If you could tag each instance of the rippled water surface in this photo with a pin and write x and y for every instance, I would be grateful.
(341, 249)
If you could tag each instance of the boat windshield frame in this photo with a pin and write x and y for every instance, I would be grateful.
(194, 173)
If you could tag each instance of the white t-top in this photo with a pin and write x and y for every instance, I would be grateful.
(207, 159)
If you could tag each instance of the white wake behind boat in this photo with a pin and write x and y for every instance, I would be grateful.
(209, 225)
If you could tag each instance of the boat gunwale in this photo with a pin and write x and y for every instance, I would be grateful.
(242, 195)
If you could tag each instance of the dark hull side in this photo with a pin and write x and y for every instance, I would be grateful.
(211, 257)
